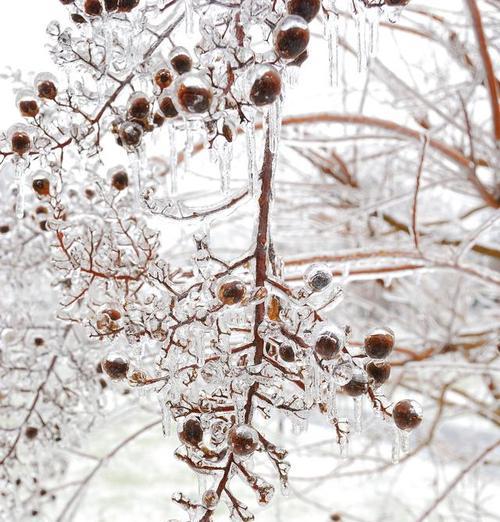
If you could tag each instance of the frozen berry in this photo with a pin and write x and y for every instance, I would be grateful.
(318, 277)
(47, 89)
(92, 7)
(111, 5)
(266, 85)
(379, 371)
(167, 106)
(286, 352)
(397, 3)
(291, 37)
(138, 106)
(194, 93)
(274, 308)
(231, 292)
(358, 385)
(210, 499)
(28, 107)
(20, 142)
(119, 180)
(31, 432)
(41, 186)
(125, 6)
(131, 134)
(379, 343)
(4, 229)
(191, 432)
(164, 78)
(328, 343)
(115, 366)
(243, 440)
(407, 415)
(307, 9)
(180, 60)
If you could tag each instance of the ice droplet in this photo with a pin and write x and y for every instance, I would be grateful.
(173, 159)
(396, 446)
(332, 37)
(251, 154)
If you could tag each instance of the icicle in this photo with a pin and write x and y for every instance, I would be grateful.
(358, 414)
(332, 36)
(396, 446)
(200, 348)
(344, 447)
(308, 375)
(188, 147)
(360, 20)
(189, 15)
(332, 411)
(202, 484)
(137, 159)
(166, 418)
(21, 165)
(274, 122)
(251, 154)
(404, 437)
(373, 20)
(225, 157)
(173, 159)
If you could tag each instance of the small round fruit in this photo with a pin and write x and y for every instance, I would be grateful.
(163, 78)
(379, 343)
(397, 3)
(138, 106)
(119, 179)
(318, 277)
(180, 60)
(407, 415)
(328, 343)
(307, 9)
(358, 385)
(167, 106)
(210, 499)
(243, 440)
(115, 366)
(41, 186)
(20, 142)
(191, 432)
(266, 85)
(111, 5)
(379, 371)
(31, 432)
(45, 85)
(286, 352)
(194, 93)
(131, 134)
(231, 291)
(291, 37)
(125, 6)
(92, 7)
(28, 105)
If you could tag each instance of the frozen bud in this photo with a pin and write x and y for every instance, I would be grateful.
(20, 140)
(45, 85)
(163, 78)
(265, 85)
(379, 343)
(138, 106)
(194, 93)
(291, 37)
(92, 7)
(41, 186)
(407, 415)
(318, 277)
(191, 432)
(307, 9)
(287, 352)
(28, 105)
(243, 440)
(31, 432)
(125, 6)
(180, 60)
(397, 3)
(358, 385)
(231, 291)
(167, 106)
(329, 342)
(378, 371)
(119, 178)
(210, 499)
(130, 134)
(111, 5)
(115, 366)
(274, 308)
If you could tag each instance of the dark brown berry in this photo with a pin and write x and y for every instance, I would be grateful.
(164, 78)
(20, 142)
(407, 415)
(167, 107)
(67, 2)
(397, 3)
(92, 7)
(41, 186)
(47, 89)
(119, 181)
(139, 108)
(379, 343)
(327, 345)
(39, 341)
(266, 87)
(181, 61)
(232, 292)
(227, 132)
(194, 95)
(116, 367)
(131, 134)
(111, 5)
(125, 6)
(4, 229)
(78, 18)
(243, 440)
(291, 37)
(379, 371)
(28, 108)
(301, 58)
(307, 9)
(192, 432)
(358, 385)
(287, 352)
(158, 119)
(31, 432)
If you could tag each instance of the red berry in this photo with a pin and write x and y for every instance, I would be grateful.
(92, 7)
(243, 440)
(138, 107)
(41, 186)
(191, 432)
(194, 94)
(119, 180)
(20, 142)
(328, 344)
(167, 106)
(291, 37)
(115, 366)
(379, 343)
(180, 60)
(266, 86)
(307, 9)
(164, 78)
(379, 371)
(407, 415)
(47, 89)
(28, 108)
